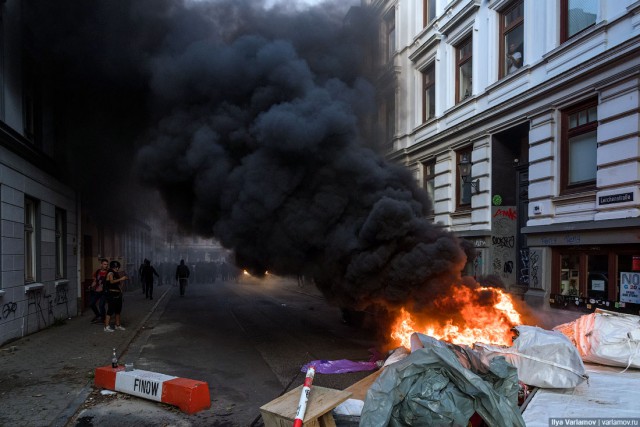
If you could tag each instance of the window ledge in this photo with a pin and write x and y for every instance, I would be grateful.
(569, 198)
(425, 124)
(1, 293)
(460, 104)
(507, 78)
(462, 212)
(580, 38)
(61, 282)
(33, 287)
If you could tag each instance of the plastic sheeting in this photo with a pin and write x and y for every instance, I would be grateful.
(344, 366)
(543, 358)
(606, 337)
(443, 385)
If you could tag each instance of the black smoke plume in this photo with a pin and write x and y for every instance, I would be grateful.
(248, 122)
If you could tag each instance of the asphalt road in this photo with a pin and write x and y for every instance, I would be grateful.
(248, 340)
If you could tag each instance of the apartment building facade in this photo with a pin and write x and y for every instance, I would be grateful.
(49, 244)
(38, 211)
(521, 120)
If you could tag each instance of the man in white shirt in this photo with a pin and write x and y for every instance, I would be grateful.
(514, 59)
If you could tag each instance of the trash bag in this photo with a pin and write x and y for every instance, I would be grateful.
(431, 387)
(341, 366)
(606, 337)
(545, 359)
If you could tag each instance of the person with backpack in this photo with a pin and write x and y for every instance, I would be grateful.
(96, 291)
(182, 276)
(146, 274)
(113, 290)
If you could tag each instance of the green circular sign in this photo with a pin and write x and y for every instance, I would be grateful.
(497, 200)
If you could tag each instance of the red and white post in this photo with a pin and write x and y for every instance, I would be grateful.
(304, 396)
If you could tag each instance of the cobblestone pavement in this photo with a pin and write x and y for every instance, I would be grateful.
(46, 376)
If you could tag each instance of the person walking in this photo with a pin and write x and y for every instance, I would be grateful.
(113, 290)
(182, 276)
(97, 297)
(147, 274)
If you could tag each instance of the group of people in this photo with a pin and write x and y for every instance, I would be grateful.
(106, 295)
(147, 271)
(107, 289)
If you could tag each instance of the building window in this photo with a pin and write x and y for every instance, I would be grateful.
(390, 35)
(428, 11)
(30, 235)
(429, 182)
(464, 67)
(61, 243)
(429, 93)
(579, 147)
(576, 16)
(512, 38)
(464, 185)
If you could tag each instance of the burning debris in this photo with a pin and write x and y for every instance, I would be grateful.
(474, 319)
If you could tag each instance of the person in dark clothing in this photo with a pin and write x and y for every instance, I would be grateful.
(182, 276)
(144, 291)
(146, 275)
(113, 289)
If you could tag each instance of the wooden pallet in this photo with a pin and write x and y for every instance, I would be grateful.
(281, 412)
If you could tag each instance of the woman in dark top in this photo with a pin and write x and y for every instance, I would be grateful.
(113, 291)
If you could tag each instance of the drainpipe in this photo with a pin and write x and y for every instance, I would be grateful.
(78, 249)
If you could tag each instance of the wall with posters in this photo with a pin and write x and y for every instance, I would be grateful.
(503, 243)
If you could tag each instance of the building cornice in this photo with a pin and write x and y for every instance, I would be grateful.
(469, 9)
(425, 47)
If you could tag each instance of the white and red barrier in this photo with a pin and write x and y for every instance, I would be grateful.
(304, 397)
(190, 396)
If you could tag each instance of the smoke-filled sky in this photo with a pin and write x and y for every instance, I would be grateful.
(248, 122)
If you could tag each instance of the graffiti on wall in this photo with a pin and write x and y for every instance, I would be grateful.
(38, 309)
(503, 242)
(529, 266)
(8, 310)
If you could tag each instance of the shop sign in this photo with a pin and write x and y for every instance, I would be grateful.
(630, 287)
(615, 198)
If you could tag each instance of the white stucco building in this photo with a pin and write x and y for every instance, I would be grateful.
(521, 118)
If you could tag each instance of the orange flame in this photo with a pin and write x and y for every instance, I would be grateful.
(489, 324)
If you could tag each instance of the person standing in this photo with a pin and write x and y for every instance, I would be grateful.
(182, 276)
(144, 291)
(514, 59)
(146, 275)
(97, 298)
(113, 290)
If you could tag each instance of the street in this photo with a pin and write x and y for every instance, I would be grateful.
(247, 340)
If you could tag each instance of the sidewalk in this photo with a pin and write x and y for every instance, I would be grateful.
(46, 376)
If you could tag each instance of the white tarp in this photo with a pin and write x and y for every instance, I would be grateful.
(543, 358)
(606, 338)
(608, 394)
